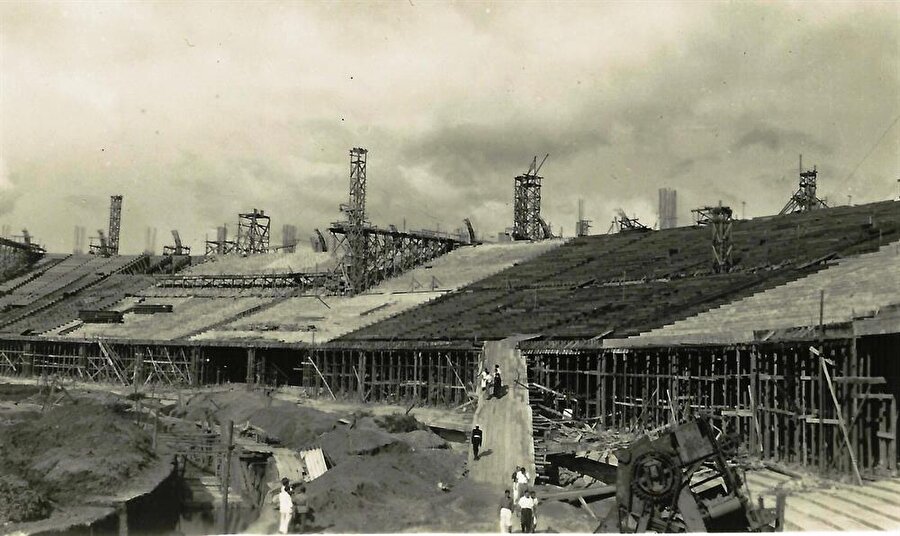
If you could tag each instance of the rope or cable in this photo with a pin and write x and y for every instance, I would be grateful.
(874, 146)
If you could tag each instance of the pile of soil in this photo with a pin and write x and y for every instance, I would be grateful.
(65, 456)
(292, 425)
(389, 473)
(396, 491)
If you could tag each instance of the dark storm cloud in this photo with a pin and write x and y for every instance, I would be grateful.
(776, 139)
(470, 152)
(198, 111)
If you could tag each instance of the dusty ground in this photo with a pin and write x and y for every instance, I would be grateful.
(390, 473)
(55, 459)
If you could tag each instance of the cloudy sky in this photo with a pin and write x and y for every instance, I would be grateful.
(197, 111)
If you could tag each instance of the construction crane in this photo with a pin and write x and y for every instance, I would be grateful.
(535, 168)
(178, 248)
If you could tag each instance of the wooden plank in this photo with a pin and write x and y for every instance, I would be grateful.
(837, 408)
(311, 362)
(872, 380)
(601, 491)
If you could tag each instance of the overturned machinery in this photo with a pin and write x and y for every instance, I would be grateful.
(683, 482)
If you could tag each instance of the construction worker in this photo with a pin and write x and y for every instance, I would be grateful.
(285, 506)
(506, 512)
(526, 511)
(301, 506)
(521, 483)
(477, 438)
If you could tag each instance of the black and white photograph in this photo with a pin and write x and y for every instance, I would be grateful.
(449, 266)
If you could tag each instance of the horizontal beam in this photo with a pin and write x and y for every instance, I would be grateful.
(586, 493)
(286, 280)
(344, 228)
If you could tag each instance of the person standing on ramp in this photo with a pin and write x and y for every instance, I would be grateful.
(498, 383)
(477, 438)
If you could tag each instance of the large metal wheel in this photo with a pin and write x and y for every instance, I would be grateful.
(656, 477)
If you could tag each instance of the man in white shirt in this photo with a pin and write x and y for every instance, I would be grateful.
(521, 483)
(285, 507)
(526, 514)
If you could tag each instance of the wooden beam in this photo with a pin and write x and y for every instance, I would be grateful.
(311, 362)
(837, 409)
(570, 495)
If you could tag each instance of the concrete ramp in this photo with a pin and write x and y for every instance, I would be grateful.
(506, 421)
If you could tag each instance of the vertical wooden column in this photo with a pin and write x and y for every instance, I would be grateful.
(614, 357)
(228, 431)
(803, 408)
(823, 466)
(393, 375)
(82, 358)
(601, 395)
(361, 376)
(313, 356)
(251, 367)
(891, 432)
(262, 369)
(754, 415)
(195, 366)
(855, 401)
(376, 378)
(28, 359)
(138, 378)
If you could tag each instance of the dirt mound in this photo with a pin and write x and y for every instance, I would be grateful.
(343, 444)
(398, 423)
(423, 439)
(556, 516)
(294, 426)
(394, 492)
(71, 453)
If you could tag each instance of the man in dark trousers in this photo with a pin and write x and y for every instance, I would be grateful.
(498, 383)
(476, 440)
(526, 511)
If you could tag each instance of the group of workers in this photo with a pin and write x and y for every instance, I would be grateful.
(522, 501)
(292, 506)
(494, 381)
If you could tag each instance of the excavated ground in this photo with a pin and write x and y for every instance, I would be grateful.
(390, 473)
(58, 458)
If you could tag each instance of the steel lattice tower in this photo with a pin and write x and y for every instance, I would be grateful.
(357, 251)
(253, 232)
(804, 199)
(720, 220)
(115, 225)
(527, 204)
